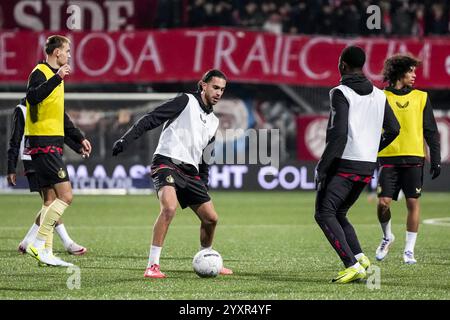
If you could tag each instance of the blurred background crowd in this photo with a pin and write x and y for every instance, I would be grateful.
(337, 17)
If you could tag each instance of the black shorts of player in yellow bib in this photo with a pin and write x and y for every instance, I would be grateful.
(393, 178)
(49, 166)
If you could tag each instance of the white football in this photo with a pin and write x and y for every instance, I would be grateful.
(207, 263)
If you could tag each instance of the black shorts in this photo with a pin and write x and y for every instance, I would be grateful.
(33, 182)
(190, 189)
(30, 173)
(393, 179)
(50, 169)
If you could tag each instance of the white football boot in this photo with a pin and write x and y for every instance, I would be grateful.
(383, 248)
(56, 262)
(408, 257)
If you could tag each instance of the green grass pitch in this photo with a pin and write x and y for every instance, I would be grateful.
(270, 240)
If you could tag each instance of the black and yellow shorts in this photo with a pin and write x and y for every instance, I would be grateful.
(31, 175)
(50, 169)
(392, 179)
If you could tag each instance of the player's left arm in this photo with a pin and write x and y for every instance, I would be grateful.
(203, 167)
(431, 135)
(74, 138)
(72, 144)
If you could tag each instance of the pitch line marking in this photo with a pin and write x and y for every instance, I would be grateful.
(438, 221)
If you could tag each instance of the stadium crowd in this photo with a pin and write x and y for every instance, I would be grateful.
(398, 17)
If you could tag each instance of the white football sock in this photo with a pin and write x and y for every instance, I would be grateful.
(386, 227)
(31, 235)
(410, 241)
(62, 233)
(359, 256)
(155, 253)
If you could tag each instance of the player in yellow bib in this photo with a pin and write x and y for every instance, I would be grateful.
(44, 140)
(401, 163)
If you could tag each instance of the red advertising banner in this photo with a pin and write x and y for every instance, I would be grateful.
(184, 54)
(311, 133)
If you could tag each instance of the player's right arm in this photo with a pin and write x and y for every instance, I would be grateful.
(39, 87)
(336, 138)
(17, 131)
(167, 111)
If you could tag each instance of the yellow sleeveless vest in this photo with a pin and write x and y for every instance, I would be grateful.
(46, 118)
(409, 112)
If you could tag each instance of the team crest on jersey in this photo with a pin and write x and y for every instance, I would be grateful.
(402, 106)
(62, 173)
(170, 179)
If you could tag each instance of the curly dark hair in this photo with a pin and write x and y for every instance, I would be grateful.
(397, 66)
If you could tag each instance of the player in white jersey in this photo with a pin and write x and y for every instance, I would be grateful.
(179, 170)
(360, 117)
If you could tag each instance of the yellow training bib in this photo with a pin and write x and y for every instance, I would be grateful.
(409, 112)
(47, 117)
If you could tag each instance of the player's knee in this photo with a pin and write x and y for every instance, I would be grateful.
(168, 212)
(342, 218)
(67, 198)
(383, 205)
(412, 203)
(319, 216)
(211, 220)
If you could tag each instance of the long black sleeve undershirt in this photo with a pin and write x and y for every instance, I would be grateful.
(336, 137)
(39, 87)
(431, 134)
(72, 137)
(167, 111)
(17, 131)
(203, 168)
(391, 127)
